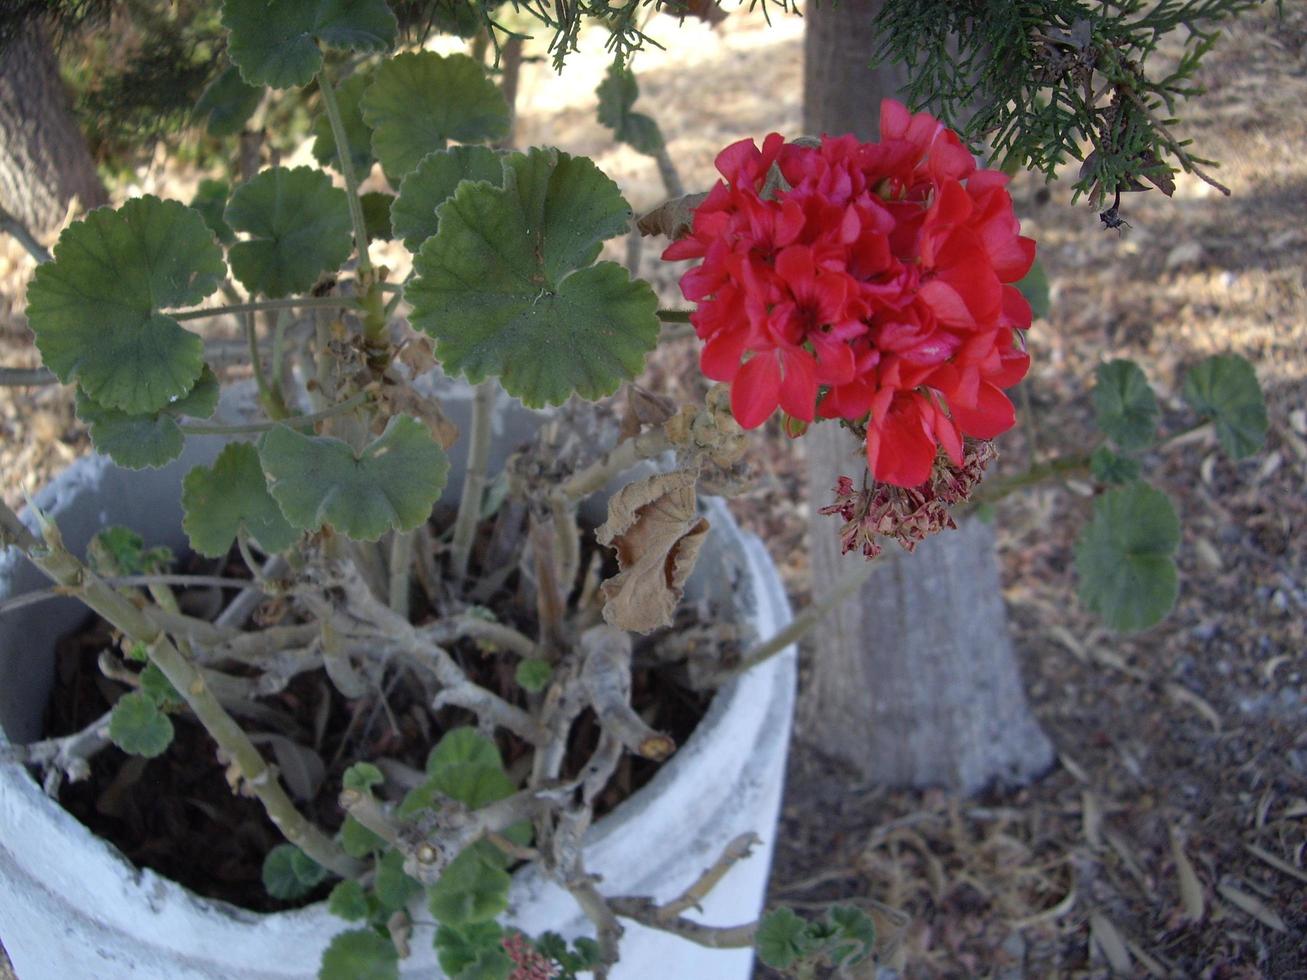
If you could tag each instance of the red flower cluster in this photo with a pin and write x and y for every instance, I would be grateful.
(873, 289)
(528, 962)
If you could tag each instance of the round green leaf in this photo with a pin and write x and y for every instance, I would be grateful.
(393, 886)
(211, 201)
(475, 950)
(533, 675)
(617, 94)
(362, 776)
(470, 890)
(783, 938)
(357, 132)
(376, 214)
(853, 935)
(348, 901)
(95, 308)
(227, 103)
(1224, 388)
(156, 686)
(299, 226)
(289, 873)
(420, 100)
(413, 215)
(275, 42)
(392, 485)
(1108, 467)
(1125, 404)
(360, 954)
(357, 841)
(151, 439)
(219, 500)
(138, 727)
(1124, 557)
(507, 289)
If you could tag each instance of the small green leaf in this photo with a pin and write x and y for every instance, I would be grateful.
(116, 550)
(362, 776)
(617, 94)
(156, 686)
(275, 42)
(281, 875)
(357, 841)
(138, 727)
(471, 889)
(853, 935)
(413, 214)
(1034, 287)
(308, 871)
(376, 215)
(1125, 404)
(357, 132)
(507, 288)
(1111, 468)
(360, 954)
(1124, 557)
(227, 103)
(300, 228)
(466, 766)
(348, 901)
(783, 938)
(1224, 389)
(219, 500)
(138, 652)
(463, 746)
(393, 887)
(95, 309)
(211, 201)
(421, 100)
(151, 439)
(533, 675)
(471, 948)
(393, 485)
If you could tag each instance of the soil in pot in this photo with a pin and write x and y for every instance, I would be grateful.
(176, 814)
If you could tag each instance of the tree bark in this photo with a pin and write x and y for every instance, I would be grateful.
(914, 682)
(44, 160)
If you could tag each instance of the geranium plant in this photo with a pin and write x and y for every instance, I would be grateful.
(877, 286)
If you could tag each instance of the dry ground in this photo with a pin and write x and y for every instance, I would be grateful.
(1182, 782)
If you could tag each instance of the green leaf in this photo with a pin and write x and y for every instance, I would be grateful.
(362, 776)
(1224, 389)
(1124, 557)
(506, 286)
(299, 226)
(119, 550)
(95, 308)
(1034, 287)
(275, 42)
(376, 215)
(156, 686)
(463, 746)
(348, 901)
(138, 727)
(533, 675)
(357, 840)
(393, 887)
(853, 935)
(392, 486)
(466, 766)
(421, 100)
(227, 103)
(457, 17)
(471, 889)
(783, 938)
(617, 93)
(211, 201)
(1110, 468)
(413, 215)
(1125, 404)
(150, 439)
(308, 871)
(357, 133)
(360, 954)
(219, 500)
(285, 876)
(473, 950)
(138, 652)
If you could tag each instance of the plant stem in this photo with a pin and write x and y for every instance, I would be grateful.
(401, 565)
(1059, 467)
(52, 558)
(295, 422)
(26, 377)
(346, 161)
(25, 238)
(474, 480)
(675, 316)
(290, 303)
(622, 457)
(268, 398)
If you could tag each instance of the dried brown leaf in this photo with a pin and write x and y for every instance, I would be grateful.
(657, 532)
(672, 218)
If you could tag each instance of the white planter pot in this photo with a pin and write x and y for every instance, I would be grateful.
(73, 908)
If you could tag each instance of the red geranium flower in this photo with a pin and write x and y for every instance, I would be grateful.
(873, 284)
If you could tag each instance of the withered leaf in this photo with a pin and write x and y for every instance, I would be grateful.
(672, 218)
(657, 533)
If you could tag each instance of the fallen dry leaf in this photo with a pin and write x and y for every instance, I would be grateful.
(1191, 890)
(657, 532)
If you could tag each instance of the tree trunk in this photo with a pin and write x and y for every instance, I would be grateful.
(44, 162)
(915, 682)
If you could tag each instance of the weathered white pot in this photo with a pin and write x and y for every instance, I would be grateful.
(73, 908)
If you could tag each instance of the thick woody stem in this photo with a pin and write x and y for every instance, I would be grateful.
(445, 631)
(474, 480)
(65, 756)
(608, 931)
(606, 676)
(622, 457)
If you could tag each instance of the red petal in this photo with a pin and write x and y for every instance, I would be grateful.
(947, 305)
(798, 394)
(992, 415)
(894, 119)
(720, 357)
(755, 392)
(900, 451)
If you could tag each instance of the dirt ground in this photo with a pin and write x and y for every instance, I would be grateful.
(1169, 840)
